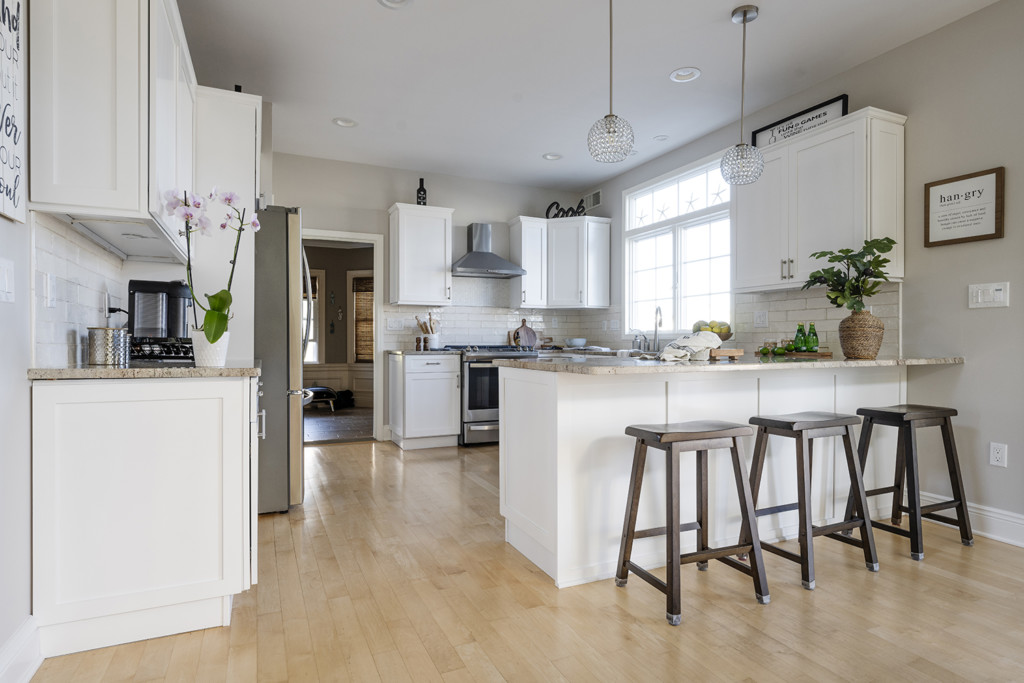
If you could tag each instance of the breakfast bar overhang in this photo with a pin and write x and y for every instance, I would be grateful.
(565, 459)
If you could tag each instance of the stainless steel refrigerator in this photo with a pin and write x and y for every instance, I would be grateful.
(280, 342)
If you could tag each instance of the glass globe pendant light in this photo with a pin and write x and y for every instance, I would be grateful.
(744, 163)
(611, 137)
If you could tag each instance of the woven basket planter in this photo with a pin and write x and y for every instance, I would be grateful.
(860, 335)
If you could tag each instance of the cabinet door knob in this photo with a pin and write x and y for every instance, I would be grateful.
(782, 269)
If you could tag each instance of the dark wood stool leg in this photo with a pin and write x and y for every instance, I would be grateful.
(860, 500)
(862, 455)
(749, 522)
(957, 481)
(673, 603)
(702, 506)
(636, 481)
(900, 475)
(806, 535)
(913, 492)
(756, 471)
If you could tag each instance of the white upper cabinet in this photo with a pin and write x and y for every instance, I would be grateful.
(827, 189)
(528, 240)
(112, 119)
(579, 252)
(420, 255)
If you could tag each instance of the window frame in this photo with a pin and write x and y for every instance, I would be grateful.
(676, 226)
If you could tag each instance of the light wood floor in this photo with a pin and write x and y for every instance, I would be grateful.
(395, 570)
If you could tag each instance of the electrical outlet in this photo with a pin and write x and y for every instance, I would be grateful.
(613, 324)
(604, 325)
(50, 290)
(761, 319)
(106, 305)
(554, 322)
(395, 324)
(997, 454)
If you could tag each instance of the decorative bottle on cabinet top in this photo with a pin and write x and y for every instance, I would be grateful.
(421, 194)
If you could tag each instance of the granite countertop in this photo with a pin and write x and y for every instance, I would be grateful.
(110, 372)
(439, 352)
(602, 365)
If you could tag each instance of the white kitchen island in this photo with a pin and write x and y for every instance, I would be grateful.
(565, 459)
(143, 501)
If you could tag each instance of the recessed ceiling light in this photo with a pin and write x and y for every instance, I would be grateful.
(552, 156)
(660, 138)
(345, 123)
(395, 4)
(684, 74)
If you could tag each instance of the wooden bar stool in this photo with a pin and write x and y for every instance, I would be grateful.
(908, 419)
(699, 436)
(804, 427)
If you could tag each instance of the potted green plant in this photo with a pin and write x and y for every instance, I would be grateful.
(209, 339)
(855, 276)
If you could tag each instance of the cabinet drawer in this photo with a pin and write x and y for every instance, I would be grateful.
(432, 363)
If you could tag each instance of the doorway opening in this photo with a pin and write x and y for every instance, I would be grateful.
(342, 365)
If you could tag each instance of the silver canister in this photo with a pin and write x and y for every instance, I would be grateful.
(108, 346)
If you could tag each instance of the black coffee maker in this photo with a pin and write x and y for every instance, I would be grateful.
(158, 322)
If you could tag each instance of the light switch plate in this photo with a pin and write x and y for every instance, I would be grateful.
(395, 324)
(6, 280)
(990, 295)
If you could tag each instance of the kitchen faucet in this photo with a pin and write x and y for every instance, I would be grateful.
(657, 324)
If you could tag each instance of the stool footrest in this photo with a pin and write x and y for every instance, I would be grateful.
(838, 526)
(781, 552)
(648, 577)
(878, 492)
(935, 507)
(891, 528)
(847, 539)
(761, 512)
(714, 553)
(952, 521)
(662, 530)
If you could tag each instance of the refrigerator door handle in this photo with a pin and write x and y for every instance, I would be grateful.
(307, 301)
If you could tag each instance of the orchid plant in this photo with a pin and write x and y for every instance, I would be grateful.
(193, 211)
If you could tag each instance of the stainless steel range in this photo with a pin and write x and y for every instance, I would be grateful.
(480, 389)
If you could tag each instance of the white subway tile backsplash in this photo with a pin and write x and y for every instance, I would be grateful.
(83, 274)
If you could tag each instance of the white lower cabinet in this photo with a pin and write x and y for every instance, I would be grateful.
(424, 400)
(143, 515)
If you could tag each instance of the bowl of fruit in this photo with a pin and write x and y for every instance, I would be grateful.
(719, 327)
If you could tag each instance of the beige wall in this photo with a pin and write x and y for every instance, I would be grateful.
(961, 88)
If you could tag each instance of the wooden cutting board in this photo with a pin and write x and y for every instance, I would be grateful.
(718, 354)
(524, 335)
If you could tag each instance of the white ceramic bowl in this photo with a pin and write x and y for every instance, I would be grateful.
(576, 341)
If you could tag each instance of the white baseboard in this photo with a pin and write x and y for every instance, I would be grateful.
(20, 656)
(999, 525)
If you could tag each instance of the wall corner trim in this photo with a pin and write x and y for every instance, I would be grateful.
(20, 657)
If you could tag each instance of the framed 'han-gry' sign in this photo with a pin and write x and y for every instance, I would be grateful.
(966, 208)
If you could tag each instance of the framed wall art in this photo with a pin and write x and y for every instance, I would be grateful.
(805, 120)
(966, 208)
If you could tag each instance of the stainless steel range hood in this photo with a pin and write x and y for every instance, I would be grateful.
(481, 261)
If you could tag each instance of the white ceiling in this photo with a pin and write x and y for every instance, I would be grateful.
(483, 88)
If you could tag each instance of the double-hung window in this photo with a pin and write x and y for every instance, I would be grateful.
(677, 250)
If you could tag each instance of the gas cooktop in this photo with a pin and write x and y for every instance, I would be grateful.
(492, 350)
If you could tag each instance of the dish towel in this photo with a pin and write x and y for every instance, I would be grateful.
(690, 346)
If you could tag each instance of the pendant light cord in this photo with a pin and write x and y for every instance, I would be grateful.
(610, 80)
(743, 73)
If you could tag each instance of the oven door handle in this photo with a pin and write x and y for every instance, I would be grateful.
(482, 428)
(479, 364)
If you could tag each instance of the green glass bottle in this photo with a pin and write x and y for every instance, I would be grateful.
(812, 339)
(800, 339)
